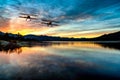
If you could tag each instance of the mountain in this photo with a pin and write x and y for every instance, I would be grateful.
(1, 33)
(30, 37)
(106, 37)
(109, 37)
(49, 38)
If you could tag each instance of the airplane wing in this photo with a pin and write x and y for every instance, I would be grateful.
(50, 20)
(28, 14)
(44, 23)
(33, 18)
(43, 19)
(23, 14)
(22, 17)
(26, 17)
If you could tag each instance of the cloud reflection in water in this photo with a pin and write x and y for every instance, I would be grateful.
(65, 61)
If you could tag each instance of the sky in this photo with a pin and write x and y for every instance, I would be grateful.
(77, 18)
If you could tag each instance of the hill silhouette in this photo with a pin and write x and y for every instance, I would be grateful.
(30, 37)
(9, 36)
(109, 37)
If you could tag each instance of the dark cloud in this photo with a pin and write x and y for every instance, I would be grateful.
(68, 8)
(91, 12)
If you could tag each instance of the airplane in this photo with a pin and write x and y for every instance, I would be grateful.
(49, 23)
(28, 16)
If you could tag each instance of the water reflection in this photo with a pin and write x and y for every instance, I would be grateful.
(8, 49)
(110, 45)
(18, 49)
(60, 61)
(113, 45)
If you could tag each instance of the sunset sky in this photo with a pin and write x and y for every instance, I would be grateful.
(77, 18)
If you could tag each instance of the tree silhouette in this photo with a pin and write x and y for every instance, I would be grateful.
(19, 36)
(6, 36)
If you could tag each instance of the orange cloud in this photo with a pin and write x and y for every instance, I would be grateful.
(16, 25)
(80, 34)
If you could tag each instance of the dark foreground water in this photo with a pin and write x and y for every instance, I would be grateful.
(62, 61)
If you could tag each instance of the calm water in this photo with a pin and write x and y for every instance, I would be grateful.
(61, 61)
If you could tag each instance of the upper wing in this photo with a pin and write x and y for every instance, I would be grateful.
(33, 18)
(44, 22)
(22, 17)
(26, 17)
(29, 14)
(49, 20)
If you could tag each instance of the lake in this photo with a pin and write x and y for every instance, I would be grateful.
(61, 61)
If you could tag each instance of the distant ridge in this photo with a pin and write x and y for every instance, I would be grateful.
(109, 37)
(30, 37)
(106, 37)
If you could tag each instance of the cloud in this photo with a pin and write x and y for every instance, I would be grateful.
(77, 15)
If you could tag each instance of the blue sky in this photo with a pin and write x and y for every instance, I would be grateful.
(78, 18)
